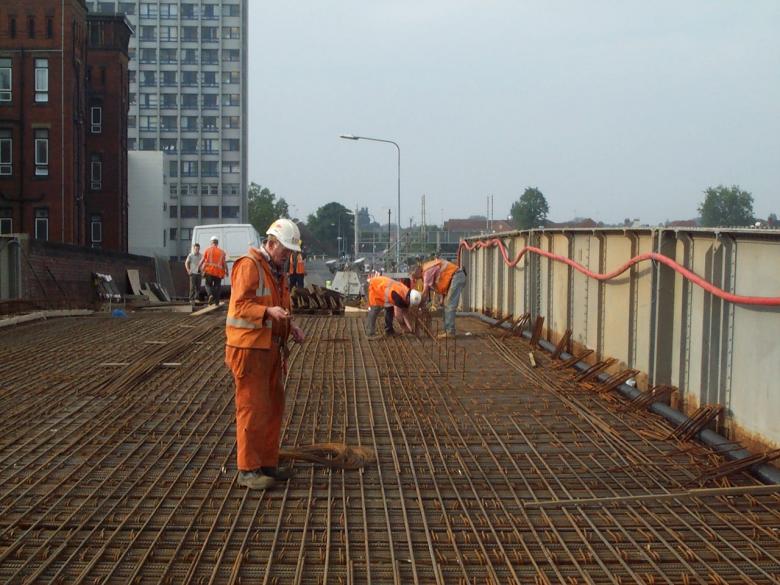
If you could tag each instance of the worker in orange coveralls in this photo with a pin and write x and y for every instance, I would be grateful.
(257, 327)
(396, 298)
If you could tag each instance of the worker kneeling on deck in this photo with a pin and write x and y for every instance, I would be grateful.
(448, 280)
(396, 298)
(257, 327)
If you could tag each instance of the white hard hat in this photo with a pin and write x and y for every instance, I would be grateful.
(287, 233)
(214, 239)
(414, 297)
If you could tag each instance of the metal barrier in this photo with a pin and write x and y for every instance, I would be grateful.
(651, 318)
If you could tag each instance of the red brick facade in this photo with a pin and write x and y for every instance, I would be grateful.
(44, 122)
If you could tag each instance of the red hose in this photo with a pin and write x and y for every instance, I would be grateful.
(694, 278)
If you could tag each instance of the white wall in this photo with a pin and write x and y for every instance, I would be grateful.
(148, 217)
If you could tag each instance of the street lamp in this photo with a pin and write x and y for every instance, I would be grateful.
(398, 217)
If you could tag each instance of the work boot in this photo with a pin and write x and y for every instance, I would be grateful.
(255, 480)
(279, 473)
(374, 337)
(445, 334)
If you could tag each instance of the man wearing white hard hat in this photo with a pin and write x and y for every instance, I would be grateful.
(259, 322)
(396, 298)
(214, 266)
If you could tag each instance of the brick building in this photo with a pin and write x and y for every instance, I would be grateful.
(47, 132)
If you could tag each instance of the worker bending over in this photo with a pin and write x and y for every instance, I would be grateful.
(257, 327)
(396, 298)
(448, 280)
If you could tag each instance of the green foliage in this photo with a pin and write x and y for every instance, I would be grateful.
(264, 207)
(328, 223)
(530, 211)
(726, 206)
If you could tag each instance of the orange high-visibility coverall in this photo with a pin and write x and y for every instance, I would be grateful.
(254, 353)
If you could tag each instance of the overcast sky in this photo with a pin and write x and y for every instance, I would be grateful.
(612, 109)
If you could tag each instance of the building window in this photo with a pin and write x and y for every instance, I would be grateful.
(148, 122)
(210, 146)
(210, 78)
(231, 77)
(214, 189)
(96, 230)
(12, 27)
(231, 32)
(209, 211)
(189, 33)
(231, 99)
(41, 224)
(96, 172)
(148, 78)
(210, 123)
(189, 11)
(209, 169)
(189, 122)
(148, 144)
(168, 55)
(174, 213)
(189, 78)
(186, 234)
(168, 78)
(169, 100)
(41, 80)
(168, 33)
(231, 55)
(231, 10)
(49, 28)
(210, 56)
(189, 56)
(6, 222)
(232, 144)
(230, 121)
(148, 9)
(189, 211)
(209, 11)
(148, 33)
(148, 56)
(189, 100)
(209, 34)
(189, 145)
(174, 189)
(31, 27)
(168, 145)
(106, 7)
(6, 151)
(168, 122)
(131, 76)
(173, 168)
(231, 166)
(210, 101)
(230, 188)
(193, 188)
(169, 11)
(127, 7)
(41, 153)
(173, 234)
(230, 211)
(189, 168)
(131, 143)
(96, 117)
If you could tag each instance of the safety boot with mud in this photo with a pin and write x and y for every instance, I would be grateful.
(255, 480)
(279, 473)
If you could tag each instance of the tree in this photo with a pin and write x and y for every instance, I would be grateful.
(530, 211)
(328, 223)
(726, 206)
(264, 207)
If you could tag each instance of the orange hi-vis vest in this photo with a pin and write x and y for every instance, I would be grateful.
(442, 283)
(297, 266)
(381, 288)
(214, 261)
(255, 286)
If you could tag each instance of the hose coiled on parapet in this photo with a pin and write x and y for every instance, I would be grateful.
(691, 276)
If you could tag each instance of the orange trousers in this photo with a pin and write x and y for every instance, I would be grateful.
(259, 404)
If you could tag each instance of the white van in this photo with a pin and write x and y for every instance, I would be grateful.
(234, 239)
